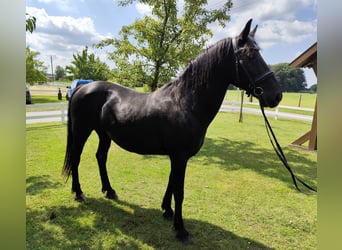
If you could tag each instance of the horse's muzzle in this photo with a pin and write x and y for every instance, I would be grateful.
(276, 101)
(270, 102)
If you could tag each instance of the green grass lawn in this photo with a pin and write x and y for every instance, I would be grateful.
(237, 193)
(45, 100)
(37, 99)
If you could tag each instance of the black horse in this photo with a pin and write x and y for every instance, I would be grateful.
(170, 121)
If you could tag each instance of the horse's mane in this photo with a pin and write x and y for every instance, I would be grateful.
(199, 71)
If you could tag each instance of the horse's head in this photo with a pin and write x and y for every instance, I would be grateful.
(252, 73)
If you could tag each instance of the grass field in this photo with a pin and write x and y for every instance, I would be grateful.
(237, 193)
(38, 99)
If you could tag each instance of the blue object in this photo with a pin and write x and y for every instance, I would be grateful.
(75, 83)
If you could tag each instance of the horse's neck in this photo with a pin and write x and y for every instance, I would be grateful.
(207, 104)
(207, 96)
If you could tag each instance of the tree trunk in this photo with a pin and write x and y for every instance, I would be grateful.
(155, 80)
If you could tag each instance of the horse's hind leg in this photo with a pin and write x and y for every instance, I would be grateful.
(77, 148)
(101, 156)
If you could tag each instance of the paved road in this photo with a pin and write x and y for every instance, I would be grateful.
(55, 116)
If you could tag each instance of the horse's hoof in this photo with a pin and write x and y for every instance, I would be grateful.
(185, 239)
(168, 215)
(111, 195)
(80, 198)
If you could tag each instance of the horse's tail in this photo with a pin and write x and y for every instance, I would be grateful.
(67, 167)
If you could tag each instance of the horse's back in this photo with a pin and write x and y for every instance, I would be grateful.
(87, 101)
(101, 90)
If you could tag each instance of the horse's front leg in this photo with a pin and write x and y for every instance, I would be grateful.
(166, 204)
(178, 167)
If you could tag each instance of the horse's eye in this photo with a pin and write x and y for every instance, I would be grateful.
(253, 55)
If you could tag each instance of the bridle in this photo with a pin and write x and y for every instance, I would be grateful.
(258, 91)
(253, 87)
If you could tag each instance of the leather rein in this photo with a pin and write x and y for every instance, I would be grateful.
(258, 92)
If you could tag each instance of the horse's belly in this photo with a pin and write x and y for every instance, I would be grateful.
(140, 147)
(141, 142)
(155, 134)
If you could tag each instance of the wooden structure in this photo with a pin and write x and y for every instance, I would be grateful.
(308, 59)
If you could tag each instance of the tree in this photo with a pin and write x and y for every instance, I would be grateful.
(35, 69)
(153, 49)
(313, 88)
(59, 72)
(291, 79)
(30, 23)
(87, 66)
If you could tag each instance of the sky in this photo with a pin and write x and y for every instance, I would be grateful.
(286, 28)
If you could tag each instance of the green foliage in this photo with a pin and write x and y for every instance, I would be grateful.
(59, 72)
(35, 69)
(87, 66)
(291, 79)
(30, 23)
(153, 49)
(313, 88)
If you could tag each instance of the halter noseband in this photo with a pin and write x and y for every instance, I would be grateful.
(252, 88)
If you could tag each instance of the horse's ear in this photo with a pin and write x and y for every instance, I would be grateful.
(242, 38)
(252, 33)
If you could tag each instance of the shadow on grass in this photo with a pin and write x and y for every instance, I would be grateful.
(121, 225)
(234, 155)
(36, 184)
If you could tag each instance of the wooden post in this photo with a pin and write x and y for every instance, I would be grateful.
(299, 100)
(241, 105)
(310, 136)
(308, 59)
(313, 132)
